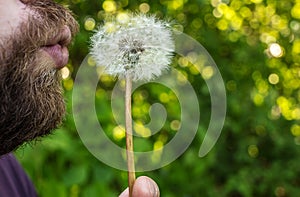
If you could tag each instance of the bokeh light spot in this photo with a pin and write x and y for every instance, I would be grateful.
(109, 6)
(176, 4)
(123, 18)
(207, 72)
(297, 140)
(144, 7)
(273, 78)
(275, 50)
(216, 13)
(197, 23)
(275, 112)
(295, 25)
(222, 24)
(296, 113)
(175, 125)
(253, 151)
(89, 24)
(164, 97)
(119, 133)
(260, 130)
(245, 12)
(295, 130)
(68, 84)
(140, 129)
(258, 99)
(183, 62)
(296, 47)
(65, 72)
(280, 191)
(236, 23)
(295, 12)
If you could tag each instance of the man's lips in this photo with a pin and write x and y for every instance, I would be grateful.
(56, 47)
(58, 53)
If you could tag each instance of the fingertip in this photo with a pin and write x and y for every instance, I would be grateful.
(145, 187)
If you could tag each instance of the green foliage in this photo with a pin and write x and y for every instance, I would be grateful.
(256, 45)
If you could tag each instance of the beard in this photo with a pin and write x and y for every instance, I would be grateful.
(32, 102)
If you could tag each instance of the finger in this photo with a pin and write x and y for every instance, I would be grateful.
(143, 187)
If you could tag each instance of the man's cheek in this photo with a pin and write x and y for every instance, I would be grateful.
(12, 14)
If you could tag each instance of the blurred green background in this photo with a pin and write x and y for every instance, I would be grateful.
(256, 45)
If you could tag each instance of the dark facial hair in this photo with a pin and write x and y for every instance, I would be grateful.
(32, 104)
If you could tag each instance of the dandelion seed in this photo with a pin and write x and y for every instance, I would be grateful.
(140, 46)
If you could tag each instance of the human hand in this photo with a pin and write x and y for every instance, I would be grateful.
(143, 187)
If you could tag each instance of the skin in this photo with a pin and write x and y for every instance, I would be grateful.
(32, 102)
(11, 15)
(143, 187)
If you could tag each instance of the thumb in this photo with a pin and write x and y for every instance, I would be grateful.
(143, 187)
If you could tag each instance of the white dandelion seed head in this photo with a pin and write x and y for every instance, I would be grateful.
(140, 46)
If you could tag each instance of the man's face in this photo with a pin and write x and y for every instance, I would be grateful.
(34, 35)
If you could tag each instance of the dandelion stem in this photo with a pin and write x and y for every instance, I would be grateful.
(129, 138)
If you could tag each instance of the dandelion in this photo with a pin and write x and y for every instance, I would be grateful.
(138, 45)
(135, 47)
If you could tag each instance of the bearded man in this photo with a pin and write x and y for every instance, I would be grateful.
(34, 35)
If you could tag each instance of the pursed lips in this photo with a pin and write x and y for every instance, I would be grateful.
(57, 47)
